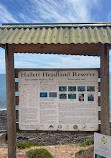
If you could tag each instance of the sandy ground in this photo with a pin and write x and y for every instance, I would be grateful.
(58, 151)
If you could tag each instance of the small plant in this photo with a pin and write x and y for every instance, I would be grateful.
(88, 142)
(80, 151)
(85, 153)
(23, 145)
(39, 153)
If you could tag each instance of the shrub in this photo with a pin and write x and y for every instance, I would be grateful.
(23, 145)
(39, 153)
(88, 142)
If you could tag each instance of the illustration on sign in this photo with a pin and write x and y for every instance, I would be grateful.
(51, 126)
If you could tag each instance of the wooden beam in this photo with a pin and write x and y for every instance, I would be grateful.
(69, 49)
(104, 89)
(11, 113)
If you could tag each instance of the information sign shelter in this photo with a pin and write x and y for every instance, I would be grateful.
(88, 39)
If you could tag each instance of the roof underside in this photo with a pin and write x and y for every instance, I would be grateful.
(78, 33)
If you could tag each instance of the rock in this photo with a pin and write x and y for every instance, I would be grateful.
(22, 138)
(3, 136)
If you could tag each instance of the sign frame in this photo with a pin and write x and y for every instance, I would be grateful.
(58, 70)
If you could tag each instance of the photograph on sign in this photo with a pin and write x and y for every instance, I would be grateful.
(71, 88)
(71, 96)
(90, 88)
(62, 96)
(43, 94)
(52, 94)
(65, 100)
(81, 97)
(90, 97)
(81, 88)
(62, 88)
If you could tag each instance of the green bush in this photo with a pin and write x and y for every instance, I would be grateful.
(88, 142)
(23, 145)
(38, 153)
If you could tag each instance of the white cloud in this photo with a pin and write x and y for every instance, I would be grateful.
(76, 62)
(55, 61)
(51, 61)
(63, 11)
(5, 15)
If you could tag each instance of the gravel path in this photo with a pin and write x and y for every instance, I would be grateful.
(58, 151)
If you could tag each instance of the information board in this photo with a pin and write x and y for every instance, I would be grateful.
(102, 146)
(65, 100)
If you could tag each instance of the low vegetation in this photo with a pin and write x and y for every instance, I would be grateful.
(87, 142)
(81, 151)
(39, 153)
(85, 153)
(88, 152)
(23, 145)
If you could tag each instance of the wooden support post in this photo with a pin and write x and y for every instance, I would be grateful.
(11, 112)
(104, 88)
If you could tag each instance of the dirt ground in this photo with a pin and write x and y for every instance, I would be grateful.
(63, 149)
(58, 151)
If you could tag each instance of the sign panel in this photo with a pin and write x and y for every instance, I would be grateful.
(102, 146)
(58, 100)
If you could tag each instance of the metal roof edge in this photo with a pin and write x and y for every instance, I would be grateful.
(53, 23)
(47, 25)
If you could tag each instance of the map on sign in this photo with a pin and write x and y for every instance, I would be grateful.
(58, 100)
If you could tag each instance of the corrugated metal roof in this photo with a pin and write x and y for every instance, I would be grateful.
(52, 33)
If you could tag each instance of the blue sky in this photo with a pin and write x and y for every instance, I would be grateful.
(52, 11)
